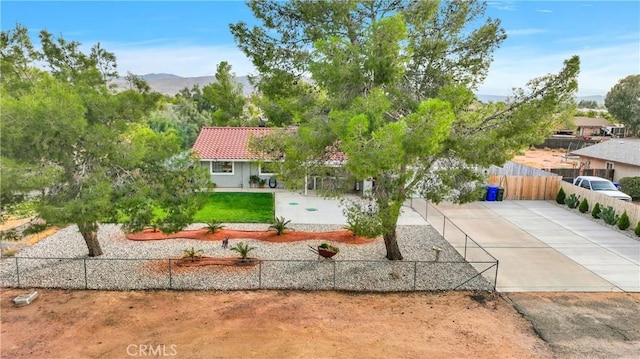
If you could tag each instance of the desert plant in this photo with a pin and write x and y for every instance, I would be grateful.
(243, 249)
(637, 230)
(595, 212)
(214, 226)
(584, 206)
(623, 221)
(362, 220)
(572, 201)
(280, 225)
(192, 254)
(609, 215)
(561, 196)
(10, 235)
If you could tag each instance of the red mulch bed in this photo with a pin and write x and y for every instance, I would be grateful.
(207, 261)
(343, 236)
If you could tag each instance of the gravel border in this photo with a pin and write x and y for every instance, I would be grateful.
(145, 264)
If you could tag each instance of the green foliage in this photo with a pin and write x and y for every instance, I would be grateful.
(584, 206)
(637, 229)
(362, 220)
(280, 225)
(192, 254)
(560, 198)
(622, 102)
(35, 228)
(243, 249)
(596, 211)
(329, 247)
(235, 207)
(10, 235)
(225, 96)
(213, 226)
(609, 215)
(623, 221)
(572, 201)
(631, 186)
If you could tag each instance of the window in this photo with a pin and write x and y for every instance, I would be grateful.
(585, 184)
(269, 168)
(222, 167)
(609, 165)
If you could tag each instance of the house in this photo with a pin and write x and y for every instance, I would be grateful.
(621, 155)
(590, 126)
(224, 151)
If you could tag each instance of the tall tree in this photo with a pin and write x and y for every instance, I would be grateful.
(623, 102)
(226, 97)
(93, 144)
(396, 81)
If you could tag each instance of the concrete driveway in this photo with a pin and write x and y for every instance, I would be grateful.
(543, 247)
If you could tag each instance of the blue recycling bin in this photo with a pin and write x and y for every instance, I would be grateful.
(492, 193)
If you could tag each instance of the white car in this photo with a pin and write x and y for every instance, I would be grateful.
(601, 185)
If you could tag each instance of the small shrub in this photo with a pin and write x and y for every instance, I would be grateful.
(561, 196)
(637, 230)
(623, 221)
(630, 186)
(362, 220)
(572, 201)
(243, 249)
(214, 226)
(10, 235)
(584, 206)
(192, 254)
(279, 225)
(9, 252)
(609, 215)
(35, 228)
(595, 213)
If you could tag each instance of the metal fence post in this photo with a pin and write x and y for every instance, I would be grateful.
(466, 237)
(444, 225)
(415, 274)
(84, 263)
(495, 280)
(17, 272)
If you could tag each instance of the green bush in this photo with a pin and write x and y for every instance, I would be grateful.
(637, 230)
(35, 228)
(362, 220)
(631, 186)
(10, 235)
(561, 196)
(572, 201)
(595, 212)
(280, 225)
(584, 206)
(609, 215)
(623, 221)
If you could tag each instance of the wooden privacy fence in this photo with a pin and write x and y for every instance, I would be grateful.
(593, 197)
(575, 172)
(527, 187)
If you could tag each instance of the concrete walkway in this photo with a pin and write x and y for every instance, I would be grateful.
(542, 247)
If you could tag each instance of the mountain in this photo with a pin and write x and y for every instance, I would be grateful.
(169, 84)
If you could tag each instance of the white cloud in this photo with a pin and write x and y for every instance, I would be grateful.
(544, 11)
(524, 32)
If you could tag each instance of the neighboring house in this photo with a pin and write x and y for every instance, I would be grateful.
(224, 151)
(590, 126)
(621, 155)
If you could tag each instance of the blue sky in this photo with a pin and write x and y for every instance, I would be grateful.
(191, 38)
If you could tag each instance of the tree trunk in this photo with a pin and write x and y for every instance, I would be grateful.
(391, 243)
(90, 235)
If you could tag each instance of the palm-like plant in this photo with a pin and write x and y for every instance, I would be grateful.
(279, 225)
(192, 254)
(243, 249)
(214, 226)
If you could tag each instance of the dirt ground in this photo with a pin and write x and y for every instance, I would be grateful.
(287, 324)
(264, 324)
(546, 158)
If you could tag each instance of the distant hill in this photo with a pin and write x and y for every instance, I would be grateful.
(169, 84)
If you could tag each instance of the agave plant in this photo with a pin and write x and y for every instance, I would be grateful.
(214, 226)
(192, 254)
(279, 225)
(243, 249)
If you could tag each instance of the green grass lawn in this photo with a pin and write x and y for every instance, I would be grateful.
(236, 207)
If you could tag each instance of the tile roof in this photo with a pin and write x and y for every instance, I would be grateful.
(227, 143)
(621, 150)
